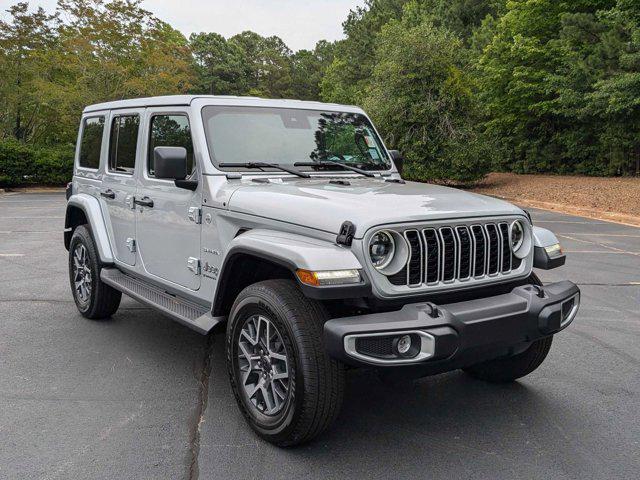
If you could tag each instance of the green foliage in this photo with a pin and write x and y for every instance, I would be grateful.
(560, 84)
(460, 86)
(433, 114)
(22, 165)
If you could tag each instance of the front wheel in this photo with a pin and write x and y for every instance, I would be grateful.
(287, 387)
(502, 370)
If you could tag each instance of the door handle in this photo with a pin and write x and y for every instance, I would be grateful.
(108, 194)
(144, 202)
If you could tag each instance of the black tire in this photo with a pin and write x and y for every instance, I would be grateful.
(503, 370)
(102, 301)
(315, 381)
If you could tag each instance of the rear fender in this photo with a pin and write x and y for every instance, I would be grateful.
(90, 206)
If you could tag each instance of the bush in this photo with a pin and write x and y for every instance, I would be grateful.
(22, 165)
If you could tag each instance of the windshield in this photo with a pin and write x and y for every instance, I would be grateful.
(286, 136)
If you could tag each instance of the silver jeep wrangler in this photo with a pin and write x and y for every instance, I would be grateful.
(289, 222)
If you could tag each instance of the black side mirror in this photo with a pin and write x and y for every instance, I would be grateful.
(171, 163)
(398, 160)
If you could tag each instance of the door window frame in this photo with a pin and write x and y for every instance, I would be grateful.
(168, 111)
(117, 114)
(104, 115)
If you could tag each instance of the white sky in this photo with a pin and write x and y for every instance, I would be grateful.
(300, 23)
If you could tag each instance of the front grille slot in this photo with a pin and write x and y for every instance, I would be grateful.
(494, 249)
(449, 247)
(414, 273)
(506, 247)
(464, 253)
(480, 256)
(432, 245)
(441, 255)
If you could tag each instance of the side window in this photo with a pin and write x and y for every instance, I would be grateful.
(91, 142)
(123, 143)
(170, 131)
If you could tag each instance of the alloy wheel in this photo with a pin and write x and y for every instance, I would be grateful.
(263, 365)
(82, 274)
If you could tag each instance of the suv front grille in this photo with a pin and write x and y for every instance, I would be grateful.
(442, 255)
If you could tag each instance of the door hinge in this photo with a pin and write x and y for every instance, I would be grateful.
(195, 214)
(131, 244)
(193, 264)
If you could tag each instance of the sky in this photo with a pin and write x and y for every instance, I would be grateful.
(300, 23)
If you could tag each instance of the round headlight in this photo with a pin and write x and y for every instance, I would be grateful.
(381, 249)
(517, 235)
(520, 238)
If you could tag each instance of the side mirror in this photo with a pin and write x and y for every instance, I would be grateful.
(171, 163)
(398, 160)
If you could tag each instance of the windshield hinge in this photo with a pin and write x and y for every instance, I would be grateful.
(195, 214)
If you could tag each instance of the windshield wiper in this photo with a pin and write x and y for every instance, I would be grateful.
(331, 163)
(262, 165)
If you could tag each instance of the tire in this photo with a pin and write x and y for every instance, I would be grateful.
(503, 370)
(97, 300)
(284, 411)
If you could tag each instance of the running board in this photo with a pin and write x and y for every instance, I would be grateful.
(188, 313)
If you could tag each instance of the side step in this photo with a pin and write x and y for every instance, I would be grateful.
(188, 313)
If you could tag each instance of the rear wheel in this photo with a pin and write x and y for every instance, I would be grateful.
(93, 298)
(502, 370)
(287, 387)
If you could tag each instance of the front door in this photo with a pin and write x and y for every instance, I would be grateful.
(119, 184)
(168, 233)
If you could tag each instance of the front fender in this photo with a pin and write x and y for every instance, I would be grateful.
(291, 252)
(294, 251)
(90, 206)
(542, 240)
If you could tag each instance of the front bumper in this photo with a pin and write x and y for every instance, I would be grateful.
(445, 337)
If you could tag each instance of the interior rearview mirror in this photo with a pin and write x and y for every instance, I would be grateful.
(398, 160)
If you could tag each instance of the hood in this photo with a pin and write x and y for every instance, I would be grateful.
(366, 202)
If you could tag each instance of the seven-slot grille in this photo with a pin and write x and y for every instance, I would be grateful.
(442, 255)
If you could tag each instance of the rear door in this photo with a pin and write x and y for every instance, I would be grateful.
(119, 183)
(168, 232)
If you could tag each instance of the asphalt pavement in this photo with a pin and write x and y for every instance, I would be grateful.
(142, 397)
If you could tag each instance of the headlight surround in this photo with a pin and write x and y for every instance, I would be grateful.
(388, 251)
(520, 239)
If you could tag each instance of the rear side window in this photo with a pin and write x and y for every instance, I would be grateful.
(91, 142)
(123, 143)
(170, 131)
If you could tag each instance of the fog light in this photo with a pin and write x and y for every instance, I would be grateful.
(404, 344)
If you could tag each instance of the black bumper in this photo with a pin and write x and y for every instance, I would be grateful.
(457, 334)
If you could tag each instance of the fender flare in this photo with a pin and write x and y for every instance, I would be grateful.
(543, 238)
(293, 252)
(93, 213)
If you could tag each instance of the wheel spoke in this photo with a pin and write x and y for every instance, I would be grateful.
(268, 400)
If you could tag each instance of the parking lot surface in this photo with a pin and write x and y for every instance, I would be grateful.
(140, 396)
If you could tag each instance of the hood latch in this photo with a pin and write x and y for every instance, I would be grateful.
(347, 232)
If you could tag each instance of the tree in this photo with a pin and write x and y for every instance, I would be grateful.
(223, 67)
(24, 42)
(421, 98)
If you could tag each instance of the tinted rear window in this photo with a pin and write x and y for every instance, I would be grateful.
(91, 142)
(123, 143)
